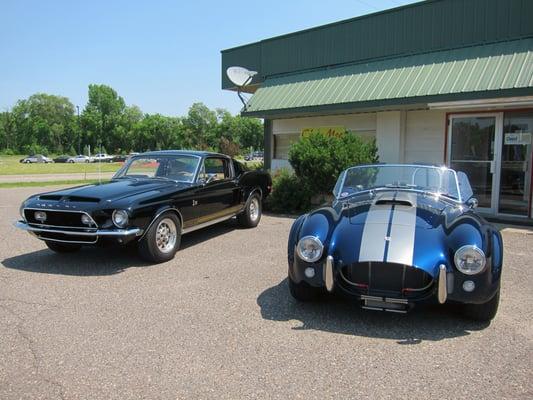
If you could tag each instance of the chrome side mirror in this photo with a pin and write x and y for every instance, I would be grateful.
(472, 202)
(211, 178)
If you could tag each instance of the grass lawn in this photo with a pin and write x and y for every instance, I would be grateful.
(10, 165)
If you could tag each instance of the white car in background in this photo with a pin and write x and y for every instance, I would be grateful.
(80, 158)
(36, 158)
(102, 157)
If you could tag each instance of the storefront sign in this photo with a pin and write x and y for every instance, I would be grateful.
(518, 138)
(337, 131)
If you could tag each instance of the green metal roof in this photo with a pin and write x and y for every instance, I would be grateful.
(485, 68)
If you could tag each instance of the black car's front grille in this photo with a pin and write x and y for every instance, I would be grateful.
(381, 278)
(57, 218)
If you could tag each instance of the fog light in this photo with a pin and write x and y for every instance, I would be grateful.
(309, 272)
(40, 216)
(85, 219)
(468, 286)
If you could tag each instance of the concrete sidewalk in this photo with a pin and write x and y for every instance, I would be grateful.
(54, 177)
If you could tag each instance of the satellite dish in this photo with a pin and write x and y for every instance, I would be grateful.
(240, 76)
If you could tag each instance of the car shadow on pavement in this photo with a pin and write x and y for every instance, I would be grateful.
(338, 315)
(94, 261)
(89, 261)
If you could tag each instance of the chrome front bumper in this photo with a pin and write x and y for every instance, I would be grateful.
(118, 233)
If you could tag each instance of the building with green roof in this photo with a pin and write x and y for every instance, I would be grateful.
(441, 81)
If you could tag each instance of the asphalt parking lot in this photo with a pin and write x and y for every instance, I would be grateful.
(218, 322)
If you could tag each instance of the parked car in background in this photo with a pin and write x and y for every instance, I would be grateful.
(102, 157)
(120, 158)
(80, 158)
(152, 200)
(396, 236)
(258, 155)
(36, 158)
(62, 159)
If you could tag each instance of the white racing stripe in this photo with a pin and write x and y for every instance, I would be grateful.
(401, 239)
(374, 232)
(402, 235)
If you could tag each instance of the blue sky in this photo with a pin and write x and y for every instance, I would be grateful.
(159, 55)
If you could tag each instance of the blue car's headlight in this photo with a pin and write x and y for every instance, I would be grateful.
(470, 260)
(309, 248)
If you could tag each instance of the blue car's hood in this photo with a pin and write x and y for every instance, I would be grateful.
(398, 227)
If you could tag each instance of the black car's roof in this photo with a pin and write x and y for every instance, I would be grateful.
(181, 152)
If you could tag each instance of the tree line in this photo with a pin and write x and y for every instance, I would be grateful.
(46, 124)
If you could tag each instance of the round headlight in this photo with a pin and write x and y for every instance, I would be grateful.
(470, 260)
(120, 218)
(309, 248)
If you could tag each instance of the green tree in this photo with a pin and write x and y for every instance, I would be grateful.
(157, 132)
(199, 128)
(102, 117)
(44, 121)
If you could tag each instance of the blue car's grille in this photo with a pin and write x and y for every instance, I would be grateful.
(390, 279)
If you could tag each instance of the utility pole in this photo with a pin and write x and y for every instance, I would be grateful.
(79, 130)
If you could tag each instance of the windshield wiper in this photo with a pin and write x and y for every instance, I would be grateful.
(166, 178)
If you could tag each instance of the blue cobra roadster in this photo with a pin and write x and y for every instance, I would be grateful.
(395, 236)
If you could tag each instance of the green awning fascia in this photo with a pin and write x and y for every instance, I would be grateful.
(477, 71)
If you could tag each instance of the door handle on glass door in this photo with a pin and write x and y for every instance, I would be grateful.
(492, 167)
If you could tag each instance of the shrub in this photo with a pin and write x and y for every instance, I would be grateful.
(318, 159)
(8, 152)
(289, 193)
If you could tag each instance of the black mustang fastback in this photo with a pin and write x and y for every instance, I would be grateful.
(153, 199)
(397, 235)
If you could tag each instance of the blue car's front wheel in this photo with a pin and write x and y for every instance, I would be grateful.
(303, 291)
(485, 311)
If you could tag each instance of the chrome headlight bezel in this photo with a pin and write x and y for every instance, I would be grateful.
(21, 210)
(300, 248)
(120, 218)
(472, 251)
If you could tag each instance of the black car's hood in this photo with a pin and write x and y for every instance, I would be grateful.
(113, 190)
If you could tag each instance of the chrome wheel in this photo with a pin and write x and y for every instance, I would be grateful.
(254, 209)
(165, 235)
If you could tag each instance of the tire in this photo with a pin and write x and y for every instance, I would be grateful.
(27, 162)
(87, 161)
(302, 291)
(70, 161)
(483, 312)
(251, 214)
(63, 247)
(162, 240)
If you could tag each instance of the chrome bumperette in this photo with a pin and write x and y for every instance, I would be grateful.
(442, 287)
(88, 232)
(328, 273)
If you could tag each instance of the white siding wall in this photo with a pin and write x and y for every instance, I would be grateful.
(290, 129)
(425, 136)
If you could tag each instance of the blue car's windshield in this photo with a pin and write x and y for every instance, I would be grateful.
(181, 168)
(438, 180)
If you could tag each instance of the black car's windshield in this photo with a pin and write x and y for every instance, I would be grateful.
(181, 168)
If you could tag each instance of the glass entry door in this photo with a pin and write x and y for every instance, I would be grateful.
(472, 144)
(515, 175)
